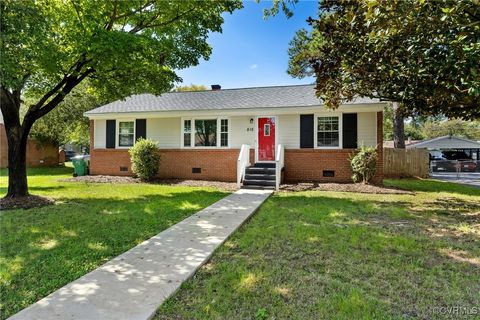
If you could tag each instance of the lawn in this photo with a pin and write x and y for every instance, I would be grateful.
(45, 248)
(330, 255)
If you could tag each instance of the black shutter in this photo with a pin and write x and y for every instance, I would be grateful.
(306, 131)
(110, 143)
(140, 129)
(349, 131)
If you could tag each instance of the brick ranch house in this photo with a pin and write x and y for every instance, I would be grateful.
(254, 136)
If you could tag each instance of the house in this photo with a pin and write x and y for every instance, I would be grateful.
(39, 154)
(470, 147)
(254, 135)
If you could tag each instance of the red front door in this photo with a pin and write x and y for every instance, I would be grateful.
(266, 139)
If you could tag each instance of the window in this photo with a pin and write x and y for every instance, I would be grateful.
(224, 132)
(206, 133)
(187, 133)
(266, 130)
(328, 132)
(126, 133)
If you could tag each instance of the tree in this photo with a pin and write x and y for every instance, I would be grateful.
(66, 123)
(452, 127)
(421, 54)
(122, 47)
(191, 87)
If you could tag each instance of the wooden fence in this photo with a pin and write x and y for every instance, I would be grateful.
(405, 163)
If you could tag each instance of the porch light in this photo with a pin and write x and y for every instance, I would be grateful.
(251, 120)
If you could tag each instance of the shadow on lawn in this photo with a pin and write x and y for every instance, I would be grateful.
(46, 248)
(315, 256)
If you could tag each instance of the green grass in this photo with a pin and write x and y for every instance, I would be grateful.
(329, 255)
(45, 248)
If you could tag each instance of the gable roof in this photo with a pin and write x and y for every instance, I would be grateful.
(446, 142)
(225, 99)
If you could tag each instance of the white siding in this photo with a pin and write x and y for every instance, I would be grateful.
(241, 131)
(288, 131)
(367, 128)
(166, 131)
(99, 134)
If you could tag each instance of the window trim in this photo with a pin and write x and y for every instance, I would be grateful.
(117, 133)
(340, 130)
(192, 137)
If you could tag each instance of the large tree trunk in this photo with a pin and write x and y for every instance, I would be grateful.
(17, 160)
(398, 127)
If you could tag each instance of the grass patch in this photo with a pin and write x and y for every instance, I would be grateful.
(44, 248)
(332, 255)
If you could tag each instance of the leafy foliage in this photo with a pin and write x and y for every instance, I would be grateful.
(191, 87)
(66, 123)
(364, 164)
(49, 47)
(145, 159)
(423, 54)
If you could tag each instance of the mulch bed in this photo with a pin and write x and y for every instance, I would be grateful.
(342, 187)
(24, 202)
(228, 186)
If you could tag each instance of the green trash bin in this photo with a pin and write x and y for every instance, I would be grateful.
(79, 166)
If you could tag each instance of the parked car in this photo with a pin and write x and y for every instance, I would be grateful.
(452, 161)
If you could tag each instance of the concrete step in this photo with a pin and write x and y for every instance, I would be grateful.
(259, 177)
(259, 170)
(265, 165)
(258, 182)
(258, 187)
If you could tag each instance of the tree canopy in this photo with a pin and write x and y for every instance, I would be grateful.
(191, 87)
(49, 47)
(423, 54)
(66, 123)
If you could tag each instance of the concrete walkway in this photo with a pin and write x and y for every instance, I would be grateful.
(133, 285)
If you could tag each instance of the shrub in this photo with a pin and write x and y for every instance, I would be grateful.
(145, 159)
(364, 164)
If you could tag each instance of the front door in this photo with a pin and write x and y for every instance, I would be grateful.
(266, 138)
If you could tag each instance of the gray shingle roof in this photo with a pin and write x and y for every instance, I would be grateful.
(225, 99)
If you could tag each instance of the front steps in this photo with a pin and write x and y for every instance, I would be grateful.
(260, 176)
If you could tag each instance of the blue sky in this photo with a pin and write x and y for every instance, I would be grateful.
(251, 51)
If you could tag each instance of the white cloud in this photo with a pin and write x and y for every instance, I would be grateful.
(253, 66)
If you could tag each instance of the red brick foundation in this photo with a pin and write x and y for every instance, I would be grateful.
(309, 164)
(219, 165)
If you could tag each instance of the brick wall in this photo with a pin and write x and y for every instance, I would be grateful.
(220, 165)
(308, 164)
(38, 154)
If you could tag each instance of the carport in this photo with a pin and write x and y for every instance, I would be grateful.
(470, 147)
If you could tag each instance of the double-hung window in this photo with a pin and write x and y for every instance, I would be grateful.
(126, 133)
(328, 132)
(205, 132)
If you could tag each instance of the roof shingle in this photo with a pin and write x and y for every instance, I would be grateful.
(225, 99)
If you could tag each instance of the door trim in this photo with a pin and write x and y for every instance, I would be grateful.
(256, 139)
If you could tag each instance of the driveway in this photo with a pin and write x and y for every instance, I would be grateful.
(470, 178)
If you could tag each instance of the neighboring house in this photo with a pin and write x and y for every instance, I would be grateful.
(470, 147)
(201, 134)
(38, 154)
